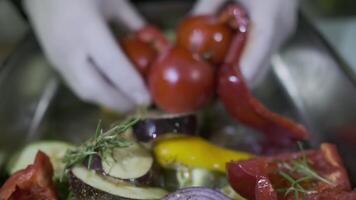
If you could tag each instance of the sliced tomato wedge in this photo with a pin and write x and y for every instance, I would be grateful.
(264, 178)
(32, 183)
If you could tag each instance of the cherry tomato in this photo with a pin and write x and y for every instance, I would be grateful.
(32, 183)
(140, 53)
(206, 36)
(179, 82)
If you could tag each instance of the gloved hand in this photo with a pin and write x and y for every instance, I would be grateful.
(272, 21)
(79, 44)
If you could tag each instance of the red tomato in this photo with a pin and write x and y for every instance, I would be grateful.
(140, 53)
(153, 36)
(32, 183)
(261, 180)
(179, 82)
(206, 36)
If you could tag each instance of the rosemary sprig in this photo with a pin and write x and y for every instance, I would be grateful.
(302, 167)
(102, 143)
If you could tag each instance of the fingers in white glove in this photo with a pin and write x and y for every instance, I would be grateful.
(272, 21)
(114, 64)
(95, 88)
(203, 7)
(122, 11)
(71, 32)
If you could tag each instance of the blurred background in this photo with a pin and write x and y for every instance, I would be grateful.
(12, 28)
(335, 19)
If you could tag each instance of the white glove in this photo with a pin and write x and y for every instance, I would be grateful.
(271, 22)
(80, 45)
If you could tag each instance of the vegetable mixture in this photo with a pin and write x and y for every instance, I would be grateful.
(166, 156)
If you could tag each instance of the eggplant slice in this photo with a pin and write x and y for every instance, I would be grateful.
(155, 125)
(88, 185)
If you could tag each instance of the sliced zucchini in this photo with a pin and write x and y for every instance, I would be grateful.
(55, 150)
(130, 162)
(87, 184)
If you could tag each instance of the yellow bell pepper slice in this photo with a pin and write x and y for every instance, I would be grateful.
(195, 152)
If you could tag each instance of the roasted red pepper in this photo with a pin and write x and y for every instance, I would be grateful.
(32, 183)
(237, 98)
(220, 40)
(266, 178)
(245, 108)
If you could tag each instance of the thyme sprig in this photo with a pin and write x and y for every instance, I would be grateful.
(301, 167)
(102, 144)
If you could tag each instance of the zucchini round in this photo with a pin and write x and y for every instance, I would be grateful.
(130, 162)
(87, 184)
(54, 149)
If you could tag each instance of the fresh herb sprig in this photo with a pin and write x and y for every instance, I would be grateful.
(102, 144)
(301, 167)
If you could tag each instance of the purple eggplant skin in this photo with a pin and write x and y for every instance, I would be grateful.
(196, 193)
(151, 127)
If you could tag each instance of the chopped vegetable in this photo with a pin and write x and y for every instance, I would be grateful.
(180, 82)
(87, 184)
(195, 152)
(304, 175)
(140, 53)
(239, 102)
(54, 149)
(32, 183)
(206, 36)
(154, 125)
(130, 162)
(198, 193)
(101, 144)
(143, 47)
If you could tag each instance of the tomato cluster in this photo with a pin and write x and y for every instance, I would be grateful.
(182, 78)
(205, 61)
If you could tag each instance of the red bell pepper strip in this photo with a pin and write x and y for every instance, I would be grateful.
(237, 98)
(260, 178)
(32, 183)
